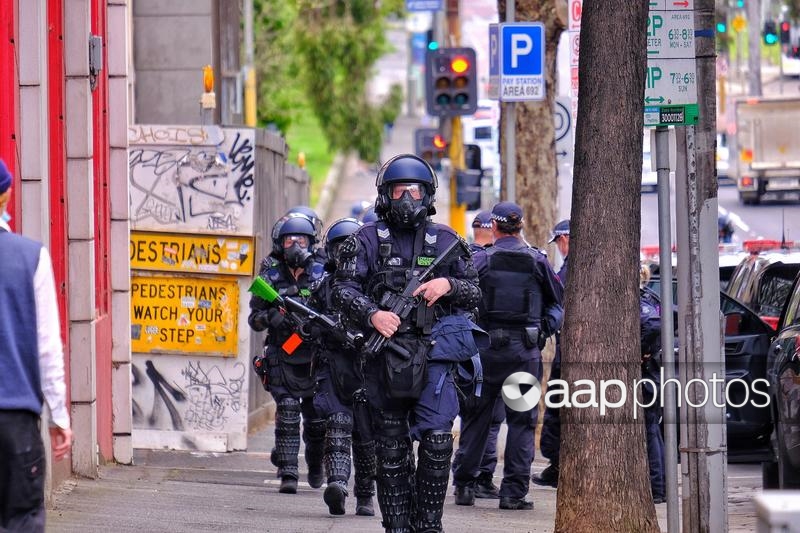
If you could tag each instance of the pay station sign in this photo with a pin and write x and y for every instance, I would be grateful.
(183, 252)
(520, 59)
(671, 81)
(181, 315)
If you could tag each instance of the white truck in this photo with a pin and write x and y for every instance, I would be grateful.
(768, 147)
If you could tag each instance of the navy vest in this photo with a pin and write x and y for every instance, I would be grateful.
(20, 381)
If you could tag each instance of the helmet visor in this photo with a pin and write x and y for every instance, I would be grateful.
(301, 240)
(396, 190)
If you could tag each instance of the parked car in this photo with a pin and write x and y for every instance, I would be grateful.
(747, 338)
(763, 280)
(783, 373)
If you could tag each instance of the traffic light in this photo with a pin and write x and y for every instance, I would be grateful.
(786, 32)
(451, 82)
(432, 44)
(722, 23)
(430, 146)
(472, 156)
(770, 32)
(468, 188)
(740, 4)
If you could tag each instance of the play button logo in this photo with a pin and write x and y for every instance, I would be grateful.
(513, 395)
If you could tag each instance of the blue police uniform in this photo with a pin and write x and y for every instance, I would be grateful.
(550, 439)
(484, 487)
(338, 378)
(409, 383)
(431, 415)
(287, 371)
(650, 325)
(521, 297)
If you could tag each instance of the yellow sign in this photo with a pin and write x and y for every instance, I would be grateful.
(184, 315)
(739, 23)
(180, 252)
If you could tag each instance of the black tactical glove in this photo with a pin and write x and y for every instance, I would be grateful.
(275, 318)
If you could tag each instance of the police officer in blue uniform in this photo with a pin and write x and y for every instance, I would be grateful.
(484, 486)
(338, 378)
(650, 324)
(411, 394)
(550, 439)
(286, 369)
(521, 306)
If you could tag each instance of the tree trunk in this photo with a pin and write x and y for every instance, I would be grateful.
(537, 172)
(604, 482)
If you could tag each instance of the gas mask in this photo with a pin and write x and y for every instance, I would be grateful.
(407, 212)
(296, 256)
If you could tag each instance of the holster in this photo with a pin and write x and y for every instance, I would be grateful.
(530, 337)
(362, 421)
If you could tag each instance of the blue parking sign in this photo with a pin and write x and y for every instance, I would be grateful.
(522, 61)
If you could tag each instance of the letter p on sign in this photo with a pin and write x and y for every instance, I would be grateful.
(521, 45)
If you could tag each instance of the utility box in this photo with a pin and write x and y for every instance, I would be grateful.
(778, 511)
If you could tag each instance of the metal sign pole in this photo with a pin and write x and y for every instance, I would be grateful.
(511, 130)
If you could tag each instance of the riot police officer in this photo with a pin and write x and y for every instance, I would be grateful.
(484, 485)
(409, 383)
(338, 378)
(550, 439)
(287, 368)
(311, 215)
(521, 306)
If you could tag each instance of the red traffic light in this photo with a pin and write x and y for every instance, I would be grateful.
(439, 142)
(785, 26)
(459, 64)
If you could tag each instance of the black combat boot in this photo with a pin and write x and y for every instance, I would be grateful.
(548, 477)
(314, 439)
(365, 465)
(433, 476)
(515, 504)
(394, 473)
(287, 443)
(485, 489)
(337, 461)
(465, 494)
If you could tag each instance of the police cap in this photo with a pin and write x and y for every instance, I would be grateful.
(562, 228)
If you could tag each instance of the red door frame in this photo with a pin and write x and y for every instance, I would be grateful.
(102, 212)
(58, 164)
(9, 103)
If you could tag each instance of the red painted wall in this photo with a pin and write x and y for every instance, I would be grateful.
(102, 210)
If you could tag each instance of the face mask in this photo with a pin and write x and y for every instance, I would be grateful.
(5, 216)
(407, 212)
(296, 256)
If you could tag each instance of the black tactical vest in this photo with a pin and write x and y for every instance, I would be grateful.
(512, 293)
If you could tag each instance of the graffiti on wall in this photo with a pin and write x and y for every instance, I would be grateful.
(188, 395)
(186, 178)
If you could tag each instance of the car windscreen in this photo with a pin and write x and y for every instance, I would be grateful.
(774, 288)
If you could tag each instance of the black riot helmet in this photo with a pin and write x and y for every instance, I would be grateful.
(406, 188)
(338, 232)
(294, 237)
(312, 216)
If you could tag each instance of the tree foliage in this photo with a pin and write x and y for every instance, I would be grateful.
(337, 44)
(276, 68)
(323, 52)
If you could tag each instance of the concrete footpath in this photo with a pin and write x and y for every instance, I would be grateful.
(201, 491)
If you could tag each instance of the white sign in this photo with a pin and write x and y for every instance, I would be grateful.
(423, 5)
(522, 62)
(671, 5)
(562, 121)
(575, 11)
(670, 34)
(670, 82)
